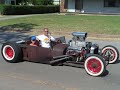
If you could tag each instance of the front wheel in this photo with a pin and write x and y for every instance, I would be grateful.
(110, 53)
(95, 65)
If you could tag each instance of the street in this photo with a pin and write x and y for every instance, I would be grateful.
(35, 76)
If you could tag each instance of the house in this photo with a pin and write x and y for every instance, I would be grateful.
(90, 6)
(13, 2)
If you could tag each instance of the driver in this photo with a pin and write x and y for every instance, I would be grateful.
(45, 38)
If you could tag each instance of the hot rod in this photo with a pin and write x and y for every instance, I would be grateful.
(77, 53)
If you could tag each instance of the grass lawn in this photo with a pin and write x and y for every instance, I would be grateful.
(64, 24)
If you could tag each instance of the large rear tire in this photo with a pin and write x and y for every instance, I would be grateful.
(110, 52)
(11, 52)
(95, 65)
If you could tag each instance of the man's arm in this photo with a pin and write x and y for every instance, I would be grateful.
(52, 38)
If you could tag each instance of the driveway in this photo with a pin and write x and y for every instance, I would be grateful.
(14, 16)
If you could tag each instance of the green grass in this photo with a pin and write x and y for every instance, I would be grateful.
(68, 23)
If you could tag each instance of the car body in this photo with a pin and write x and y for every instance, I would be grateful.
(77, 53)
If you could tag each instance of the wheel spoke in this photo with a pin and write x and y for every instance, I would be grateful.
(94, 66)
(109, 54)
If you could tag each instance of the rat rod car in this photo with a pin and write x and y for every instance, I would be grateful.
(77, 53)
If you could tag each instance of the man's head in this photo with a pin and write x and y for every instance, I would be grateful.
(45, 31)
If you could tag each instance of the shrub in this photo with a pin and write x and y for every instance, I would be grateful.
(21, 10)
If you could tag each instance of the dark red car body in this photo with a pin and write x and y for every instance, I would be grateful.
(41, 54)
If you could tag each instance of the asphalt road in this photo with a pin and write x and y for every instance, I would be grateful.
(34, 76)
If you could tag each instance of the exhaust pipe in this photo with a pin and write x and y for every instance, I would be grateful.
(60, 57)
(59, 60)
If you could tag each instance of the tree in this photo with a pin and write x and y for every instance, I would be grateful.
(36, 2)
(43, 2)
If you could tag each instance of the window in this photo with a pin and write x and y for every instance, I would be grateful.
(7, 1)
(66, 4)
(13, 2)
(111, 3)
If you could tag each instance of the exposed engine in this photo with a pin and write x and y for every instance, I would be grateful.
(78, 40)
(79, 48)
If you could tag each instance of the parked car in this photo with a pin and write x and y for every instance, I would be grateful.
(77, 53)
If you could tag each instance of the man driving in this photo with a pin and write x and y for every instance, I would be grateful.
(45, 38)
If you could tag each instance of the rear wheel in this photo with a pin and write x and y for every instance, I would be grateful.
(11, 52)
(95, 65)
(110, 53)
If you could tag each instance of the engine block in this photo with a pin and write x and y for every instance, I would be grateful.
(78, 40)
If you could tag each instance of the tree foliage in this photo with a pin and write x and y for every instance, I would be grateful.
(35, 2)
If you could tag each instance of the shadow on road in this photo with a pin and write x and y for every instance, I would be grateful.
(117, 62)
(15, 32)
(19, 27)
(105, 73)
